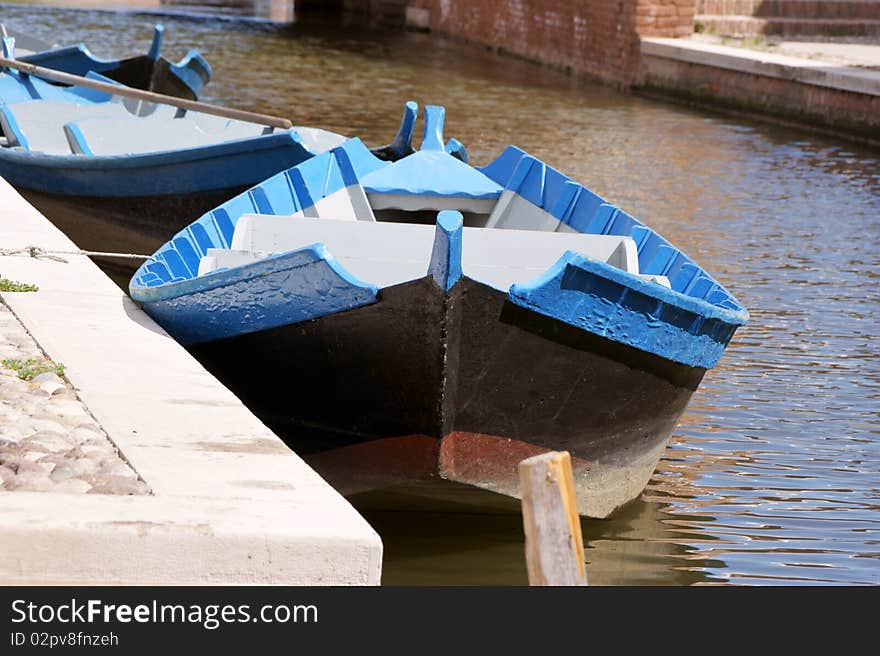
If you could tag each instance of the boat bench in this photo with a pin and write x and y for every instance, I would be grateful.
(38, 125)
(110, 128)
(108, 135)
(390, 253)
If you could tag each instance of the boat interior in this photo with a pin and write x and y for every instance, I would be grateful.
(56, 127)
(39, 117)
(382, 230)
(519, 215)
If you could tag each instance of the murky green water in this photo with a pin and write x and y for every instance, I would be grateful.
(773, 475)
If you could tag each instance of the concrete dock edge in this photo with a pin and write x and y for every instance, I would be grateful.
(230, 502)
(835, 99)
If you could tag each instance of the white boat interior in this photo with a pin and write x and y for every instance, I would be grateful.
(514, 242)
(129, 128)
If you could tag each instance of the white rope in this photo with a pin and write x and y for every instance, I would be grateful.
(43, 254)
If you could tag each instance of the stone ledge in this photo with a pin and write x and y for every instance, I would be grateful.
(69, 539)
(804, 71)
(231, 502)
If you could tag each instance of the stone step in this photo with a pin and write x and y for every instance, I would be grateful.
(749, 26)
(803, 9)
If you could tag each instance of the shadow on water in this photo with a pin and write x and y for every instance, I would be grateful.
(773, 475)
(448, 546)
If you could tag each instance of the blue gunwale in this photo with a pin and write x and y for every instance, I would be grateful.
(57, 173)
(193, 70)
(700, 314)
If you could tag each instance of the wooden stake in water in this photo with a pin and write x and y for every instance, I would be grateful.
(554, 543)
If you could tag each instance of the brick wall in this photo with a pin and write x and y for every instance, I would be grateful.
(665, 18)
(599, 38)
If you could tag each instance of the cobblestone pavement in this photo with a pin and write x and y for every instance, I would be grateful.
(49, 442)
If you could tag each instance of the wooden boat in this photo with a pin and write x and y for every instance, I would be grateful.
(425, 319)
(150, 71)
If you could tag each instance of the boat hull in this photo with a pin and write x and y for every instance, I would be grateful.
(458, 385)
(137, 224)
(131, 204)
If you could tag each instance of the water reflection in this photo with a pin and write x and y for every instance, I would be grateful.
(774, 473)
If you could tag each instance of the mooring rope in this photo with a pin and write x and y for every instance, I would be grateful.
(43, 254)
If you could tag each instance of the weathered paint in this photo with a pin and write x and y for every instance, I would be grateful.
(623, 307)
(487, 380)
(445, 265)
(148, 71)
(275, 291)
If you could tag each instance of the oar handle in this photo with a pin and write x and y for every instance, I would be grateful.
(149, 96)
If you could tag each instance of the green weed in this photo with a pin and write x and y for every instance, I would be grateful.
(32, 367)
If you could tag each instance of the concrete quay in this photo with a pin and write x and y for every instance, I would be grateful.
(228, 502)
(817, 91)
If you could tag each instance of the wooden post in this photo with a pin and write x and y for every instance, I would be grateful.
(149, 96)
(554, 543)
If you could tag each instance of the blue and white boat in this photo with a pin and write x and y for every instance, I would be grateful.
(120, 175)
(151, 71)
(425, 319)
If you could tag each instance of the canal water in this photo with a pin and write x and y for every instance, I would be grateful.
(773, 476)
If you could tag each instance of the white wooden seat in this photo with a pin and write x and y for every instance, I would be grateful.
(134, 135)
(391, 253)
(38, 125)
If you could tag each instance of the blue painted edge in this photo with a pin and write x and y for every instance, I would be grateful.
(433, 135)
(13, 127)
(612, 303)
(445, 265)
(402, 144)
(457, 149)
(89, 177)
(189, 314)
(156, 45)
(74, 132)
(287, 190)
(193, 70)
(9, 47)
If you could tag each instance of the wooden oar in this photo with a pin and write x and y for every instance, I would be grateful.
(149, 96)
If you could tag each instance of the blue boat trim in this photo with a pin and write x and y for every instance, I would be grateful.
(401, 146)
(275, 291)
(224, 165)
(625, 308)
(581, 209)
(431, 171)
(445, 265)
(11, 129)
(457, 149)
(193, 71)
(79, 145)
(155, 50)
(690, 323)
(433, 136)
(8, 47)
(284, 193)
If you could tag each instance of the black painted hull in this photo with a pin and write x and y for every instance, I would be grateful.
(460, 386)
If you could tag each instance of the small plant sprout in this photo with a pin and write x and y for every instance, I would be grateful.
(32, 367)
(7, 285)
